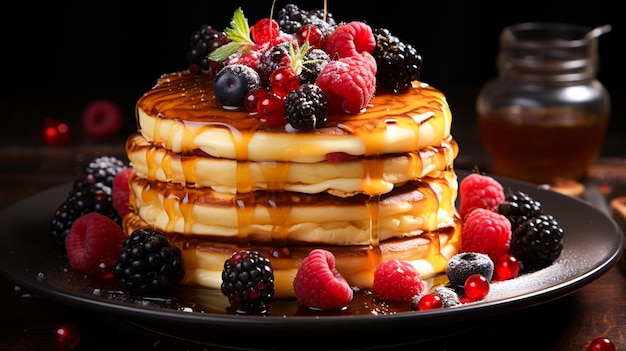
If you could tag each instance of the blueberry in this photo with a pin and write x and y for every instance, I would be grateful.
(449, 296)
(464, 264)
(233, 82)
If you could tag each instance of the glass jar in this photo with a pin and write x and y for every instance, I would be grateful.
(544, 118)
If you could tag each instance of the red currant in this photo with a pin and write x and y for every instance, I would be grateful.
(272, 109)
(601, 344)
(65, 336)
(55, 132)
(476, 287)
(313, 35)
(429, 302)
(251, 101)
(507, 267)
(283, 80)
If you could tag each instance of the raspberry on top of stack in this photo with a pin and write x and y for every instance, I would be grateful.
(292, 134)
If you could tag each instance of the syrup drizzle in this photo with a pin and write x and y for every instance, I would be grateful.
(184, 97)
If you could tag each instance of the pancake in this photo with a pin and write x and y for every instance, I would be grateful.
(345, 178)
(182, 114)
(204, 259)
(414, 208)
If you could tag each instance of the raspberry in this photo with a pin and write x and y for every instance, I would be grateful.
(319, 285)
(265, 31)
(93, 244)
(101, 119)
(350, 39)
(479, 191)
(397, 280)
(486, 232)
(120, 192)
(349, 82)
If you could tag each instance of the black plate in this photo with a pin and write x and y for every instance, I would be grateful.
(592, 244)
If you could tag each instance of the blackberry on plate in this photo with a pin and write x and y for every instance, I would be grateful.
(201, 43)
(149, 265)
(306, 107)
(537, 242)
(519, 207)
(104, 169)
(248, 282)
(398, 63)
(89, 193)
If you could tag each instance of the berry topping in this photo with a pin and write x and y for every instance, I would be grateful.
(93, 244)
(201, 43)
(349, 82)
(233, 82)
(120, 192)
(350, 39)
(537, 242)
(101, 119)
(148, 265)
(248, 282)
(479, 191)
(463, 265)
(486, 232)
(306, 106)
(292, 19)
(319, 285)
(399, 64)
(397, 280)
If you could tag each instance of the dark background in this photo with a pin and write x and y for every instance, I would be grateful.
(59, 57)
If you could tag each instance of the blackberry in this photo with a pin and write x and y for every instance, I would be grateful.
(291, 19)
(537, 242)
(104, 169)
(313, 63)
(86, 196)
(519, 207)
(248, 282)
(148, 265)
(398, 63)
(201, 43)
(306, 107)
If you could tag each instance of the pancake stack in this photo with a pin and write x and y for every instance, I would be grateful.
(369, 187)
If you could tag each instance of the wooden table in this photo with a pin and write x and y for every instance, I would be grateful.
(568, 323)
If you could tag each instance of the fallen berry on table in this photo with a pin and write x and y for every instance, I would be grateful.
(101, 119)
(601, 344)
(65, 336)
(55, 132)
